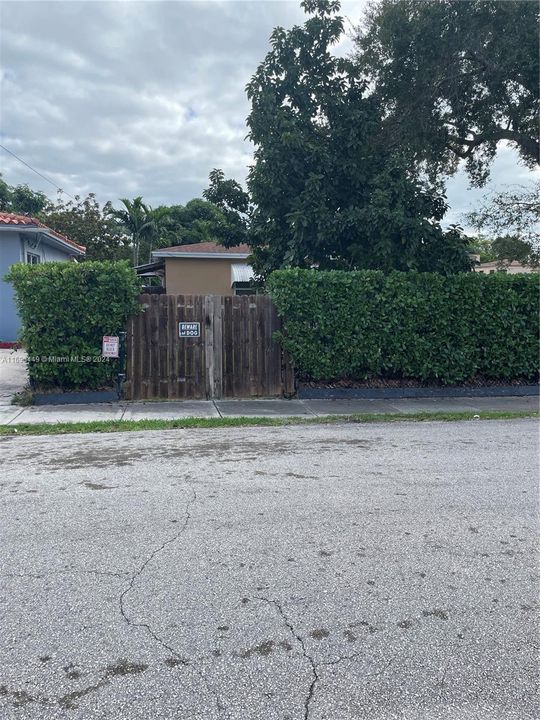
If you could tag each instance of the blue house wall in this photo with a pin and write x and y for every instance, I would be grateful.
(13, 248)
(10, 253)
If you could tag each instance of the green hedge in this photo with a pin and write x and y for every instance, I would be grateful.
(65, 309)
(356, 325)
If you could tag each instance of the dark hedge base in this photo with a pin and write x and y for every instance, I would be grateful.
(476, 382)
(75, 398)
(306, 392)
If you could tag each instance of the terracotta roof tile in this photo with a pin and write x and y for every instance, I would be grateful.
(15, 219)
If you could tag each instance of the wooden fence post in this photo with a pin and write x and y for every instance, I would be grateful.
(209, 345)
(218, 347)
(213, 344)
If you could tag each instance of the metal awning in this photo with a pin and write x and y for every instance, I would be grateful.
(241, 273)
(152, 269)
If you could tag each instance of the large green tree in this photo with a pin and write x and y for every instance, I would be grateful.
(21, 199)
(235, 209)
(81, 219)
(197, 221)
(87, 223)
(325, 190)
(454, 78)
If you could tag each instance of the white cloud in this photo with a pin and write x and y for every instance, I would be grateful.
(143, 98)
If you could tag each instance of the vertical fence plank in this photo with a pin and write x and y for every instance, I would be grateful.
(252, 346)
(146, 372)
(164, 342)
(236, 322)
(139, 327)
(227, 347)
(209, 344)
(153, 383)
(189, 371)
(127, 389)
(260, 345)
(172, 348)
(235, 355)
(217, 322)
(180, 303)
(242, 339)
(198, 372)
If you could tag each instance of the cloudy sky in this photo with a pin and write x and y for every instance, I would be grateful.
(145, 98)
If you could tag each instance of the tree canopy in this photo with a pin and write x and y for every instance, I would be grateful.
(81, 219)
(511, 218)
(325, 190)
(197, 221)
(142, 223)
(131, 231)
(454, 79)
(21, 199)
(234, 206)
(87, 223)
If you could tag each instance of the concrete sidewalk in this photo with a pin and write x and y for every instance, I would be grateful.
(13, 415)
(13, 377)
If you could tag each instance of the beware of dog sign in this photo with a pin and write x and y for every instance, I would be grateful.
(189, 329)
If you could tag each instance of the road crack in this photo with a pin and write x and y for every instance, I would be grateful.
(300, 640)
(341, 658)
(142, 568)
(186, 662)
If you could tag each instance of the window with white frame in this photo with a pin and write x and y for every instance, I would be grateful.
(32, 258)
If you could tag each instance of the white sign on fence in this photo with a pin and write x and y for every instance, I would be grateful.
(189, 329)
(111, 346)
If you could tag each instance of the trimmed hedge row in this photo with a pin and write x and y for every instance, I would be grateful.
(65, 309)
(355, 325)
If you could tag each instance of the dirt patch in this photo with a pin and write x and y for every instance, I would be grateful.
(319, 633)
(98, 486)
(118, 669)
(263, 649)
(436, 613)
(124, 667)
(18, 698)
(128, 456)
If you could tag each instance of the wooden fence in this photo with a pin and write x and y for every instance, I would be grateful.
(234, 354)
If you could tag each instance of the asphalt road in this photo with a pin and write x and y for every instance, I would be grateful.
(336, 572)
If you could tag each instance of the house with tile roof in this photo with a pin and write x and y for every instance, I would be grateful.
(202, 269)
(26, 239)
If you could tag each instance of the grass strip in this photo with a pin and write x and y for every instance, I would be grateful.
(111, 426)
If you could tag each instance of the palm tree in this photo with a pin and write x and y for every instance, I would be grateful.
(136, 219)
(157, 219)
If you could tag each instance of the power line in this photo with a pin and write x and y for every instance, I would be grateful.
(36, 171)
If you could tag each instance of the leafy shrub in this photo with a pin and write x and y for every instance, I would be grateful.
(355, 325)
(65, 309)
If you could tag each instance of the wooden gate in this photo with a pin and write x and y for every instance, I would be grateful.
(235, 354)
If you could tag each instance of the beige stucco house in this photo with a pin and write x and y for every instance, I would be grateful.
(204, 269)
(510, 268)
